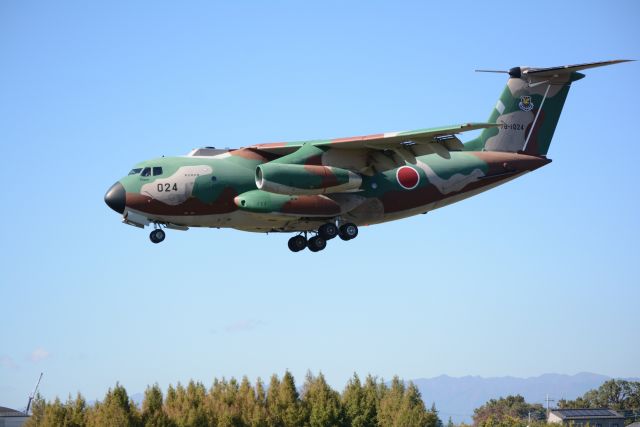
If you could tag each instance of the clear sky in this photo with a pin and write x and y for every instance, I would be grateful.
(540, 275)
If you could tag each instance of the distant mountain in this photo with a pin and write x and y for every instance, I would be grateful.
(458, 397)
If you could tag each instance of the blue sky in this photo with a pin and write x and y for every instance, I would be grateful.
(540, 275)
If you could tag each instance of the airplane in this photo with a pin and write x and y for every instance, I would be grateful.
(322, 189)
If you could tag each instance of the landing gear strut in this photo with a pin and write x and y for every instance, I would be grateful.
(157, 235)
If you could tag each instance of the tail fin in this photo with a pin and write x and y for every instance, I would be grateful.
(529, 109)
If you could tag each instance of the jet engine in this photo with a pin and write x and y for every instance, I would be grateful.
(293, 179)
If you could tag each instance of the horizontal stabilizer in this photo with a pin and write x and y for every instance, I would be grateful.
(565, 69)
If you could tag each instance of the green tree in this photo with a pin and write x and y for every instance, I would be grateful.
(229, 410)
(390, 403)
(251, 404)
(55, 414)
(413, 412)
(153, 413)
(193, 408)
(402, 405)
(615, 394)
(283, 403)
(322, 403)
(433, 416)
(506, 410)
(360, 403)
(115, 410)
(185, 406)
(274, 418)
(259, 416)
(76, 411)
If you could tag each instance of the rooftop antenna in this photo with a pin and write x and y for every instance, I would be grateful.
(33, 394)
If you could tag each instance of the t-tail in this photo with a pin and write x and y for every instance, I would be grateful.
(529, 108)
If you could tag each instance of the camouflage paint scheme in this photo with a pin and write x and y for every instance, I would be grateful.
(298, 186)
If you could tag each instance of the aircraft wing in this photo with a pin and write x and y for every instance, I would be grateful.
(440, 140)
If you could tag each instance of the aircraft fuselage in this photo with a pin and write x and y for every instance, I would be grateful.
(203, 191)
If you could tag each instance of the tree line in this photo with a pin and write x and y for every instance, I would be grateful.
(620, 395)
(280, 404)
(367, 403)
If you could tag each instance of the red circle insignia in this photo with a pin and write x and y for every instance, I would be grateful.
(407, 177)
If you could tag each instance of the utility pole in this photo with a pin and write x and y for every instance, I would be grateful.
(548, 400)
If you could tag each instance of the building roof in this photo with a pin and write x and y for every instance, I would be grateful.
(573, 414)
(8, 412)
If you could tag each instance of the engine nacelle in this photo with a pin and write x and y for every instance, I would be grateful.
(258, 201)
(305, 179)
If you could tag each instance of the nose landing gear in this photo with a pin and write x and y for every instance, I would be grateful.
(326, 232)
(157, 235)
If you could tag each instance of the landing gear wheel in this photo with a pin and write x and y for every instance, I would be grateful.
(348, 231)
(297, 243)
(157, 235)
(328, 231)
(316, 243)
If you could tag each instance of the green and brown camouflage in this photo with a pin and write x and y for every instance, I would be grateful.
(321, 186)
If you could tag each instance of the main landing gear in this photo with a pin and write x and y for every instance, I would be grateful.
(326, 232)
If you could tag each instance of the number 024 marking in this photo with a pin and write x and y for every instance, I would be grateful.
(167, 187)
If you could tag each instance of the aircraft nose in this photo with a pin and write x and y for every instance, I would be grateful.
(116, 197)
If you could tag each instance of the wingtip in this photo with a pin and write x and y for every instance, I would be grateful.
(619, 61)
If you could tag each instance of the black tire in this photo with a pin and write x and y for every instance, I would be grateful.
(160, 235)
(348, 231)
(297, 243)
(328, 231)
(157, 236)
(316, 244)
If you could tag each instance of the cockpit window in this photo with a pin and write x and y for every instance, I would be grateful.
(135, 171)
(146, 172)
(157, 170)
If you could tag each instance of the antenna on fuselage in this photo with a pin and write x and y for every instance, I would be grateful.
(33, 394)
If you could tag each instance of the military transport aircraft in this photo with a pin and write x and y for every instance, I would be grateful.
(321, 189)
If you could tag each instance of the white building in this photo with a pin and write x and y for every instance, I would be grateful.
(12, 418)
